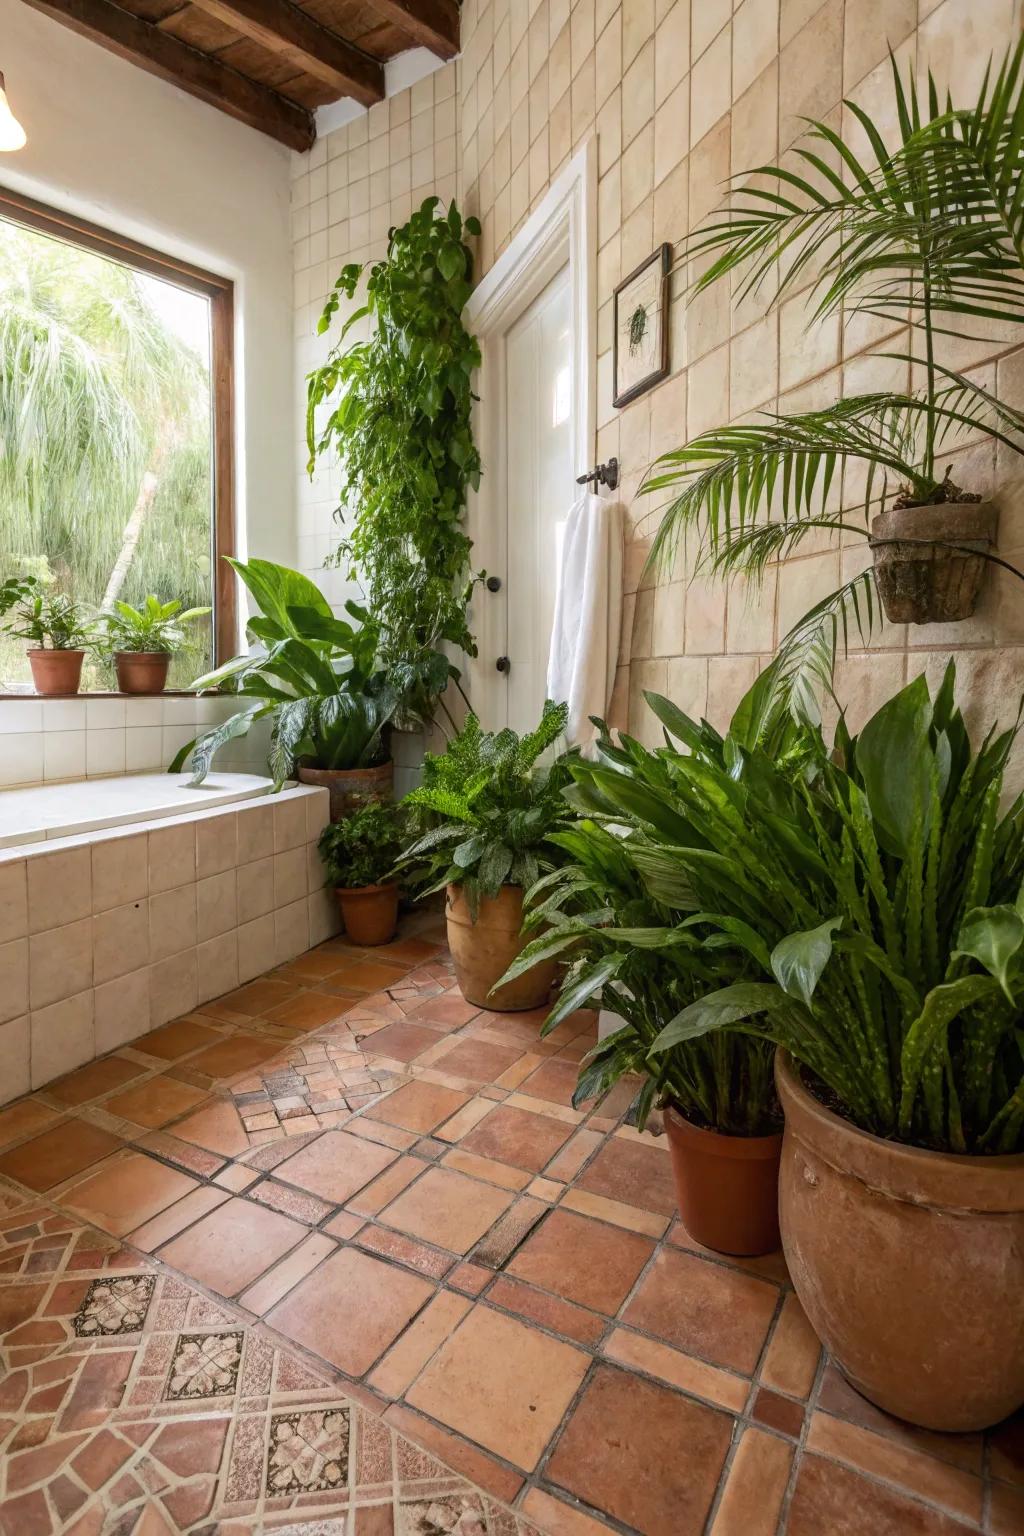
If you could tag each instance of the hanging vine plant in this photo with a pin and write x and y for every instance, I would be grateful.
(399, 420)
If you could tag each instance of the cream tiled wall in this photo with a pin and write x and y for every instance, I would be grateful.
(106, 936)
(680, 95)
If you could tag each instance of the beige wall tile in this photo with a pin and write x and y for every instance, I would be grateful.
(120, 939)
(291, 931)
(755, 33)
(16, 1078)
(59, 888)
(13, 900)
(121, 1010)
(216, 844)
(60, 963)
(62, 1038)
(173, 987)
(217, 966)
(13, 979)
(711, 86)
(255, 826)
(216, 904)
(119, 871)
(255, 943)
(172, 922)
(289, 876)
(255, 889)
(289, 822)
(172, 856)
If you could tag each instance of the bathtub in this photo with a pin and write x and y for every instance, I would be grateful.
(126, 902)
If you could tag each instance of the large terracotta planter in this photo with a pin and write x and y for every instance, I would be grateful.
(909, 1264)
(350, 787)
(925, 582)
(142, 671)
(369, 912)
(484, 950)
(55, 672)
(727, 1186)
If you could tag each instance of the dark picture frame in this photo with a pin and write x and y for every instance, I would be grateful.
(640, 355)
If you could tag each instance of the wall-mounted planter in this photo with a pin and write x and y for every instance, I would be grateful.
(924, 581)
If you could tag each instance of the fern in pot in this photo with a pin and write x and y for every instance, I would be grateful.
(359, 853)
(485, 809)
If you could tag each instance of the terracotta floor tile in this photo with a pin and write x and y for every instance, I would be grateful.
(836, 1396)
(335, 1165)
(66, 1149)
(755, 1488)
(448, 1209)
(173, 1040)
(1006, 1510)
(217, 1127)
(157, 1102)
(258, 997)
(236, 1053)
(479, 1061)
(24, 1118)
(554, 1081)
(310, 1010)
(501, 1383)
(791, 1359)
(369, 975)
(1006, 1450)
(955, 1490)
(582, 1260)
(452, 1011)
(634, 1174)
(402, 1042)
(419, 1106)
(89, 1082)
(517, 1137)
(831, 1498)
(720, 1314)
(228, 1249)
(642, 1454)
(127, 1191)
(721, 1388)
(350, 1309)
(557, 1316)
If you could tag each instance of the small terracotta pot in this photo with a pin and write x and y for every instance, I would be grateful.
(727, 1186)
(349, 787)
(56, 672)
(142, 671)
(909, 1264)
(924, 582)
(369, 912)
(484, 950)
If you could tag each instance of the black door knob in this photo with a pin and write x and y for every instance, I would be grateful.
(494, 583)
(503, 664)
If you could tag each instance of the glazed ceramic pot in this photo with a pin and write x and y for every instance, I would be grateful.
(727, 1186)
(908, 1263)
(55, 672)
(142, 671)
(369, 912)
(926, 582)
(483, 951)
(350, 787)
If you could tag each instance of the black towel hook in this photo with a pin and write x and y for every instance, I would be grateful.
(601, 474)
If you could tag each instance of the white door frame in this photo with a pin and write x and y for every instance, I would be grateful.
(561, 230)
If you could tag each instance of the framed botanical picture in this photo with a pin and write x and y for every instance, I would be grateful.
(640, 328)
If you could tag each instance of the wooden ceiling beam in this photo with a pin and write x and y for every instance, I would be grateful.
(433, 24)
(283, 29)
(160, 54)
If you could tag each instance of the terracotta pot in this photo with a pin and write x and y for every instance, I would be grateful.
(484, 950)
(56, 671)
(349, 787)
(369, 912)
(909, 1264)
(727, 1186)
(142, 671)
(924, 582)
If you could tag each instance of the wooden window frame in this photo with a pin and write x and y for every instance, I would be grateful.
(220, 291)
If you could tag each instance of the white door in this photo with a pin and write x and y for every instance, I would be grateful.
(532, 504)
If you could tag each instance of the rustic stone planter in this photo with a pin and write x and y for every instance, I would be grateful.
(55, 672)
(909, 1264)
(350, 787)
(727, 1186)
(924, 581)
(484, 950)
(369, 912)
(142, 671)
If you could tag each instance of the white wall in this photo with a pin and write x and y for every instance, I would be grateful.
(115, 145)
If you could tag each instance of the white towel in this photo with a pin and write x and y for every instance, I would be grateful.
(588, 613)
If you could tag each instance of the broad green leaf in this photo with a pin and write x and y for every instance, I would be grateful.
(798, 960)
(730, 1005)
(895, 761)
(992, 936)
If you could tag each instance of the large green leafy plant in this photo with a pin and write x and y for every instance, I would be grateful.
(156, 626)
(363, 848)
(930, 230)
(47, 618)
(314, 677)
(489, 807)
(399, 408)
(876, 891)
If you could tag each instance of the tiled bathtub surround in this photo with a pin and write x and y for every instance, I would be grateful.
(106, 935)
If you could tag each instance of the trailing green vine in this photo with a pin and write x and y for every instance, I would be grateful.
(399, 421)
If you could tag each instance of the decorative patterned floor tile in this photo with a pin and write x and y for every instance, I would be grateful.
(114, 1306)
(308, 1451)
(205, 1365)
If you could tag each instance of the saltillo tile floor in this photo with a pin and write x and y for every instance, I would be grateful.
(337, 1255)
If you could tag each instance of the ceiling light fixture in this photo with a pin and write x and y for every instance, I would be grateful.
(12, 134)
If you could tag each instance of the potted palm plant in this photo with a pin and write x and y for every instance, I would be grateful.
(877, 890)
(315, 678)
(141, 641)
(930, 230)
(57, 628)
(489, 808)
(620, 912)
(360, 853)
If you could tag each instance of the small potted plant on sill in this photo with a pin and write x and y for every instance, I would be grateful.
(876, 887)
(141, 642)
(489, 809)
(360, 853)
(57, 627)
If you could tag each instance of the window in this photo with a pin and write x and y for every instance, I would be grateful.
(115, 428)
